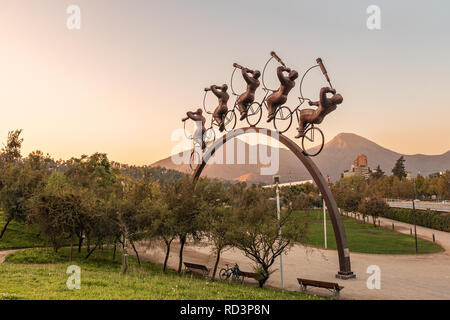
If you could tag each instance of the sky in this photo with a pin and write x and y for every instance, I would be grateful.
(122, 83)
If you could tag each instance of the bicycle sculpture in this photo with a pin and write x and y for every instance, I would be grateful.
(233, 273)
(200, 138)
(222, 117)
(312, 138)
(248, 109)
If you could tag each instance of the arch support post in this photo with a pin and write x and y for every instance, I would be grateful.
(344, 271)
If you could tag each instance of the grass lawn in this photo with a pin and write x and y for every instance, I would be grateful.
(41, 274)
(362, 237)
(18, 235)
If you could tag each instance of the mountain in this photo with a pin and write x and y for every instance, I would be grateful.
(337, 155)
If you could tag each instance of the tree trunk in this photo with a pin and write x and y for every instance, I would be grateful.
(168, 243)
(4, 228)
(135, 251)
(71, 247)
(180, 262)
(91, 251)
(125, 254)
(114, 251)
(216, 264)
(264, 276)
(80, 242)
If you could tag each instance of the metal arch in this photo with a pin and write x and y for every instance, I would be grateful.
(338, 227)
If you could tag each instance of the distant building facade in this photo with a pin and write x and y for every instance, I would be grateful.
(358, 167)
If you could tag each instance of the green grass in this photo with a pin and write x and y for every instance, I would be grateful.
(41, 274)
(362, 237)
(18, 235)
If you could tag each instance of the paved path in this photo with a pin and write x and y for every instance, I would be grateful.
(4, 253)
(425, 276)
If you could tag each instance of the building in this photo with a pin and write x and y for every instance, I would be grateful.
(358, 167)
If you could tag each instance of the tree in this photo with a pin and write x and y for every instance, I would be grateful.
(256, 232)
(55, 211)
(377, 173)
(399, 168)
(95, 178)
(218, 226)
(184, 200)
(20, 179)
(374, 207)
(349, 192)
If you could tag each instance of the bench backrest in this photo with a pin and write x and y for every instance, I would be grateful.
(317, 283)
(195, 266)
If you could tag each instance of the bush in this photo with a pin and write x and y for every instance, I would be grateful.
(430, 219)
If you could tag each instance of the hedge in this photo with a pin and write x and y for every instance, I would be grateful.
(430, 219)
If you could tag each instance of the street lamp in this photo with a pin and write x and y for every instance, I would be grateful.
(414, 213)
(276, 180)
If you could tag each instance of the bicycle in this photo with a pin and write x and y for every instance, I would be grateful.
(229, 120)
(234, 273)
(310, 131)
(195, 158)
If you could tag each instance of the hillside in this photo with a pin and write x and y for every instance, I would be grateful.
(337, 156)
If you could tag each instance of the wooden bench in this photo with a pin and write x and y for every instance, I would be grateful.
(332, 286)
(245, 274)
(194, 268)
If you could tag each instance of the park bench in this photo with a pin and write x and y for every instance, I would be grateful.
(194, 268)
(332, 286)
(245, 274)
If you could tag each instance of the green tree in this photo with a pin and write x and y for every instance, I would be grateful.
(374, 207)
(399, 168)
(377, 173)
(184, 200)
(20, 179)
(257, 230)
(55, 211)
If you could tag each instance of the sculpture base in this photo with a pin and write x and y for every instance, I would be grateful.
(345, 275)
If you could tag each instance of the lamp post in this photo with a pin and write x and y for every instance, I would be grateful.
(414, 214)
(124, 238)
(276, 179)
(324, 221)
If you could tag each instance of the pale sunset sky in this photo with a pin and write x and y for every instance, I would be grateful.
(122, 83)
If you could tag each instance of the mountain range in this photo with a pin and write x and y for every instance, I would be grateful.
(337, 155)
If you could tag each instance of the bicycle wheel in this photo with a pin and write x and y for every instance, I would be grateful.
(209, 136)
(223, 274)
(188, 131)
(254, 114)
(313, 141)
(194, 160)
(230, 120)
(283, 119)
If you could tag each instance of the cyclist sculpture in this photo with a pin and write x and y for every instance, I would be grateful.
(325, 106)
(312, 137)
(198, 117)
(279, 97)
(247, 98)
(222, 109)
